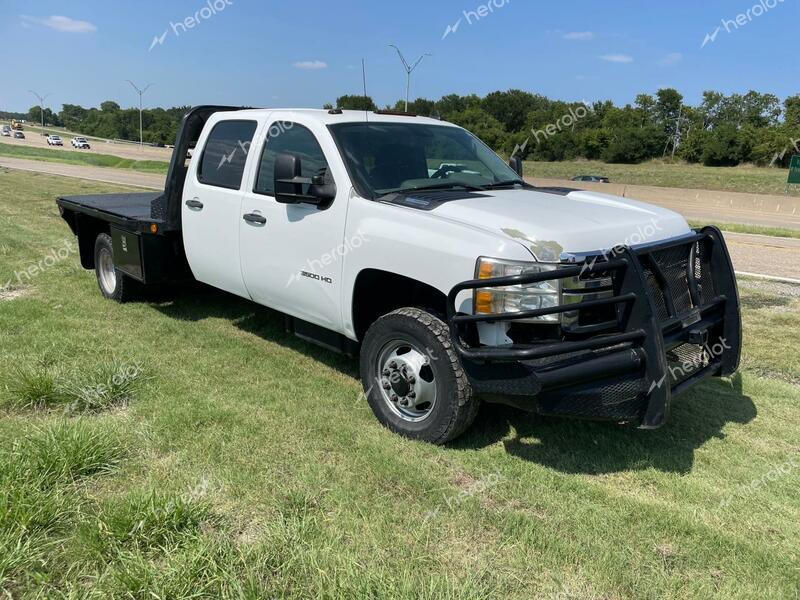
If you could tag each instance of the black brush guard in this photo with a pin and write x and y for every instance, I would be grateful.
(677, 321)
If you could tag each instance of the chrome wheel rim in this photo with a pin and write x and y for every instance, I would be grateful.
(107, 272)
(406, 380)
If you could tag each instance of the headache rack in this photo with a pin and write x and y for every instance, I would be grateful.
(674, 320)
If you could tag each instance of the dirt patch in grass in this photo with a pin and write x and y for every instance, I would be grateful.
(13, 294)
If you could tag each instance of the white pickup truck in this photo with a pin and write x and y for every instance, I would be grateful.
(408, 241)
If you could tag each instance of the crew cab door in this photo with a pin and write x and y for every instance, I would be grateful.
(293, 254)
(212, 201)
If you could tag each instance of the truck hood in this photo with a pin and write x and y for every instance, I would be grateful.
(575, 222)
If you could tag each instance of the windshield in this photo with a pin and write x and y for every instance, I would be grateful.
(391, 157)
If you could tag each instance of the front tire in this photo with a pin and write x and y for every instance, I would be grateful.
(413, 378)
(113, 284)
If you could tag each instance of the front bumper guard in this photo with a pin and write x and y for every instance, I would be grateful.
(664, 310)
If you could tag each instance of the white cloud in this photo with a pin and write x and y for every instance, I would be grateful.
(310, 65)
(671, 59)
(59, 23)
(616, 58)
(579, 36)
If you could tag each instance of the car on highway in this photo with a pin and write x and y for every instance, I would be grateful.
(54, 140)
(19, 135)
(80, 143)
(591, 178)
(408, 242)
(5, 131)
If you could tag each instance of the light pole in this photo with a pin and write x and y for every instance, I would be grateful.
(409, 68)
(41, 106)
(140, 92)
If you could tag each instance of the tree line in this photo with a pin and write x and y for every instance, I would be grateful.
(159, 125)
(722, 130)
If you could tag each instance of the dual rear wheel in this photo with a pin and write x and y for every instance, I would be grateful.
(113, 284)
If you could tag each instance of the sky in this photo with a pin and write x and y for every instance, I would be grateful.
(306, 53)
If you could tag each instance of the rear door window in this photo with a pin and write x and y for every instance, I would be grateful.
(225, 154)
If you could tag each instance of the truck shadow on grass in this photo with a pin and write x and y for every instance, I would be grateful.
(592, 448)
(566, 445)
(195, 302)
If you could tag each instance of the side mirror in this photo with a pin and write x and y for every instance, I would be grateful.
(289, 184)
(515, 162)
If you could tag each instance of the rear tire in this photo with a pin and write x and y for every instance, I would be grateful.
(113, 284)
(413, 378)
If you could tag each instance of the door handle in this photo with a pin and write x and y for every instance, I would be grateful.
(194, 203)
(255, 218)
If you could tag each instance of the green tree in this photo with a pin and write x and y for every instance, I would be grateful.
(483, 125)
(50, 118)
(722, 148)
(791, 111)
(356, 103)
(633, 145)
(511, 108)
(72, 116)
(668, 106)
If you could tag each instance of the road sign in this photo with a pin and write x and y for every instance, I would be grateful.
(794, 171)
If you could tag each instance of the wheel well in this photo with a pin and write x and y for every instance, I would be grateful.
(377, 293)
(87, 229)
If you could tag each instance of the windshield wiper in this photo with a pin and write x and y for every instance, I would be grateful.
(500, 184)
(439, 186)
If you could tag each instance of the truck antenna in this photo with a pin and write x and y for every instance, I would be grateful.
(364, 79)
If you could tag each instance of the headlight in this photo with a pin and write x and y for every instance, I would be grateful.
(515, 298)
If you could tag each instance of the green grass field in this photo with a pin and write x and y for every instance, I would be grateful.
(75, 157)
(187, 446)
(756, 180)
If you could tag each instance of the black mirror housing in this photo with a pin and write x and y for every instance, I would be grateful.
(289, 184)
(515, 162)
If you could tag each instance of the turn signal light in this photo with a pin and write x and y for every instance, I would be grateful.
(483, 301)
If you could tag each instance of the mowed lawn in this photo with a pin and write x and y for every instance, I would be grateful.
(187, 447)
(744, 178)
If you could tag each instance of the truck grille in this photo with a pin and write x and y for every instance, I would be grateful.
(669, 280)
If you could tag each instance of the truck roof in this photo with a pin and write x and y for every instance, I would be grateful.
(327, 117)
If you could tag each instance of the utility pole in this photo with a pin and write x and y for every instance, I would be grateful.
(409, 69)
(140, 92)
(41, 106)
